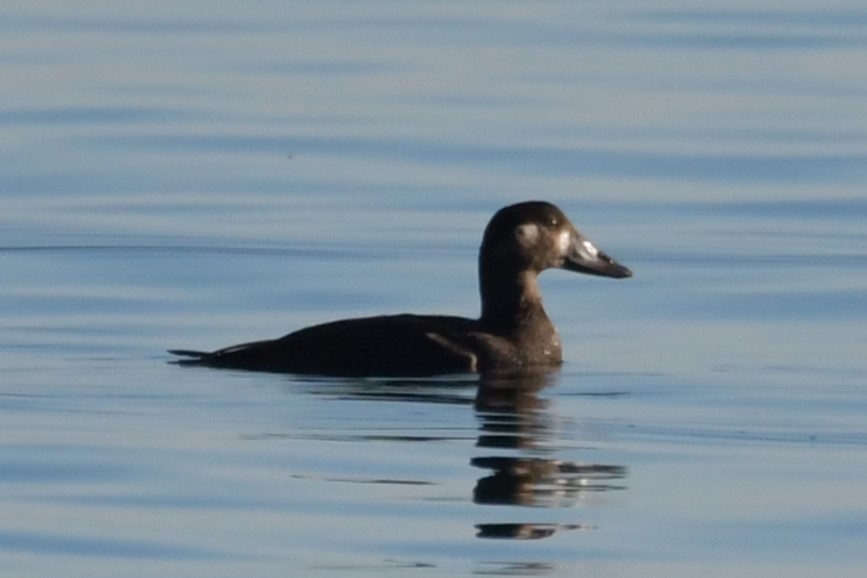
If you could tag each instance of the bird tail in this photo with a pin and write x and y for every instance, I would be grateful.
(190, 357)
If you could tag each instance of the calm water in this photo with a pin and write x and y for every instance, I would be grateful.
(194, 174)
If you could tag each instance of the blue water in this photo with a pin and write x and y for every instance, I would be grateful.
(196, 174)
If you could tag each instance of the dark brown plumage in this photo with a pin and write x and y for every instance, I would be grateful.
(513, 331)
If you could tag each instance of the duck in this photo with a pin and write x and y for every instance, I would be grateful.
(512, 333)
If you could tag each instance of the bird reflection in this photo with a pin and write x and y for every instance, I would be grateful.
(518, 434)
(513, 417)
(521, 531)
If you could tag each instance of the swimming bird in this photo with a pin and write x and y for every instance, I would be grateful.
(512, 333)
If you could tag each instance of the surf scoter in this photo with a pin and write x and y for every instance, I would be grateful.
(512, 333)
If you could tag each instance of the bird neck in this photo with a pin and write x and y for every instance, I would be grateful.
(510, 298)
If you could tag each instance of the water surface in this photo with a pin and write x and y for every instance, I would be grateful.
(191, 174)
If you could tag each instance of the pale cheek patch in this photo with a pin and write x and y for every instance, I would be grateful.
(564, 242)
(528, 234)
